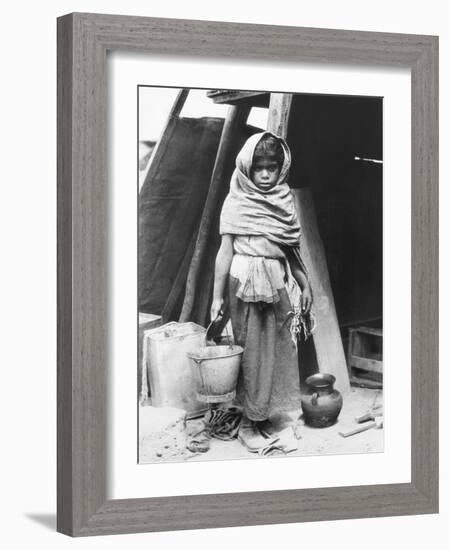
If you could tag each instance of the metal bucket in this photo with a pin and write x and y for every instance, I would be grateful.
(218, 370)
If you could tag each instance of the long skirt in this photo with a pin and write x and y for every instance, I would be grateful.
(269, 379)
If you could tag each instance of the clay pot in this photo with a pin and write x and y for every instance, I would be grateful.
(321, 403)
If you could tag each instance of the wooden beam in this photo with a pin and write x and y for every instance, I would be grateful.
(233, 97)
(327, 337)
(279, 110)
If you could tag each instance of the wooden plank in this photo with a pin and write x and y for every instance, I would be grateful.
(358, 429)
(365, 383)
(327, 337)
(370, 330)
(365, 363)
(359, 322)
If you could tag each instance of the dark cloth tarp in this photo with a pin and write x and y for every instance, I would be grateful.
(170, 208)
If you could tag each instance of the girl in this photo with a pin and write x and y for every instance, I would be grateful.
(268, 287)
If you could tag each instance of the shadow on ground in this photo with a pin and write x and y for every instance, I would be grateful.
(46, 520)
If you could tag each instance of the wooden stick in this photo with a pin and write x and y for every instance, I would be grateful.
(370, 415)
(359, 429)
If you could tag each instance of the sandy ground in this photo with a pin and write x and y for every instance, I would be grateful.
(312, 441)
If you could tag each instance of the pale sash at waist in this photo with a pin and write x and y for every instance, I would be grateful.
(261, 278)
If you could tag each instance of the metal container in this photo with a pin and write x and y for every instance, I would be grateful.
(217, 372)
(172, 378)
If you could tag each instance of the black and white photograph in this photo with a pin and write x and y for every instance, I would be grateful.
(260, 274)
(221, 288)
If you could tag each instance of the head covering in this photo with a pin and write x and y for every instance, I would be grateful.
(248, 210)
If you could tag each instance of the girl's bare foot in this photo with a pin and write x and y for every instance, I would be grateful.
(251, 437)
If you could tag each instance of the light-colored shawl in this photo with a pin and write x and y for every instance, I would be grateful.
(249, 211)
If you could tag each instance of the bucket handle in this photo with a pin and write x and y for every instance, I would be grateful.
(227, 334)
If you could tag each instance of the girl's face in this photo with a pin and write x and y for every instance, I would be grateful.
(265, 173)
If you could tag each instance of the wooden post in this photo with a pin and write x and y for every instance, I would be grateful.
(279, 110)
(327, 337)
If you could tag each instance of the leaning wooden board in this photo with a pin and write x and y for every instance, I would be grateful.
(327, 337)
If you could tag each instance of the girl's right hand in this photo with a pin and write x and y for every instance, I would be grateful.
(216, 307)
(306, 299)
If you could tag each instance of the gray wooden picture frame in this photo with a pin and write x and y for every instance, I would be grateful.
(83, 41)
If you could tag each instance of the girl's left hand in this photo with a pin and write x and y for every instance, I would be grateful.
(306, 299)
